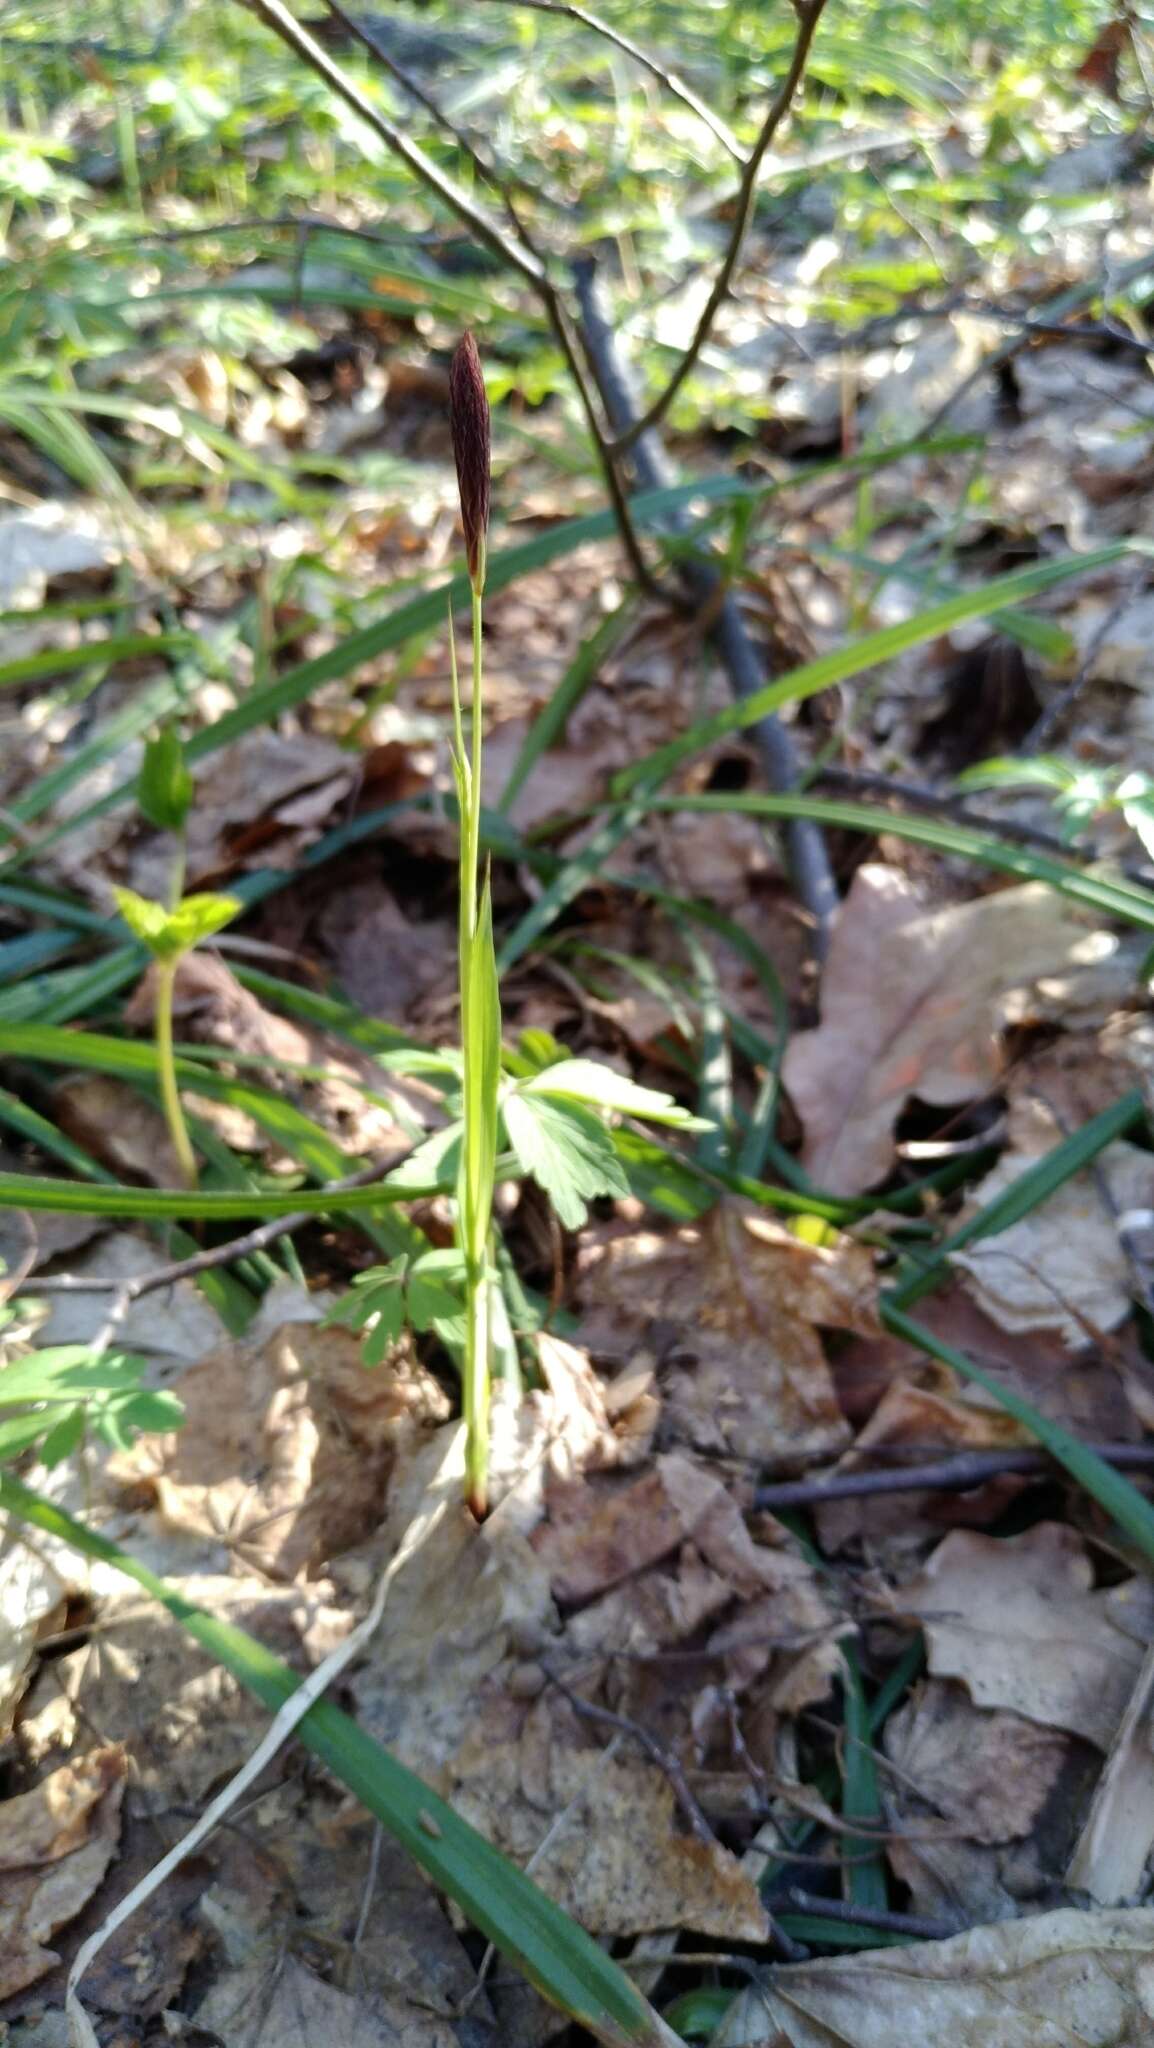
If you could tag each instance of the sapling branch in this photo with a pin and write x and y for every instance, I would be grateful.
(809, 13)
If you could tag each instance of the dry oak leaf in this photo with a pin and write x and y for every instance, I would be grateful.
(731, 1307)
(58, 1841)
(1060, 1980)
(991, 1771)
(278, 2002)
(287, 1444)
(187, 1723)
(913, 1000)
(907, 1417)
(1016, 1619)
(999, 1788)
(1063, 1267)
(601, 1829)
(465, 1608)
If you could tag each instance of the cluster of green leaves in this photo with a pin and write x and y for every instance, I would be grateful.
(1081, 791)
(50, 1397)
(421, 1293)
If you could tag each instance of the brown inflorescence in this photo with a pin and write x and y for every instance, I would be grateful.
(469, 424)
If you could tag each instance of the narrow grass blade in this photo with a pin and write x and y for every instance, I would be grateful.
(425, 612)
(844, 662)
(69, 1198)
(715, 1064)
(548, 728)
(555, 1954)
(864, 1875)
(31, 668)
(568, 882)
(1114, 1493)
(1024, 1195)
(1110, 895)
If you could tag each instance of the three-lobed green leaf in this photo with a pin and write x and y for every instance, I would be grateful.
(64, 1388)
(170, 933)
(567, 1150)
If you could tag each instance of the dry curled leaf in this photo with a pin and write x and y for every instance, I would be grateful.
(1017, 1619)
(731, 1308)
(58, 1841)
(1064, 1980)
(913, 999)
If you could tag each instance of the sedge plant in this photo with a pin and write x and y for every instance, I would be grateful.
(537, 1112)
(169, 930)
(480, 994)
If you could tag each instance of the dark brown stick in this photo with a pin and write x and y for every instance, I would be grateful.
(949, 1475)
(918, 1925)
(256, 1240)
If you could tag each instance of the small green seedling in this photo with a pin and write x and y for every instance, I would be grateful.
(49, 1398)
(164, 793)
(1080, 791)
(549, 1107)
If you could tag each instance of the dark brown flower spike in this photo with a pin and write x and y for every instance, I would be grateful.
(469, 424)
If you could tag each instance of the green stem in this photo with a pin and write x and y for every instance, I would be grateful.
(169, 1093)
(475, 819)
(478, 993)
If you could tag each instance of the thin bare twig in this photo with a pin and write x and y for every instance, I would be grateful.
(1064, 302)
(669, 79)
(809, 14)
(665, 1761)
(256, 1240)
(919, 1925)
(277, 17)
(946, 1475)
(510, 248)
(485, 169)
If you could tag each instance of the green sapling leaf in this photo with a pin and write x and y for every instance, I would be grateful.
(568, 1151)
(164, 790)
(588, 1081)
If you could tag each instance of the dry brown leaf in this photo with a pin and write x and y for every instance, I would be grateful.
(187, 1724)
(173, 1325)
(277, 2002)
(1085, 1393)
(1118, 1835)
(54, 1818)
(466, 1609)
(603, 1833)
(1000, 1789)
(287, 1444)
(1063, 1979)
(913, 999)
(1063, 1267)
(991, 1772)
(385, 961)
(212, 1007)
(118, 1126)
(729, 1308)
(909, 1416)
(58, 1842)
(258, 802)
(1017, 1620)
